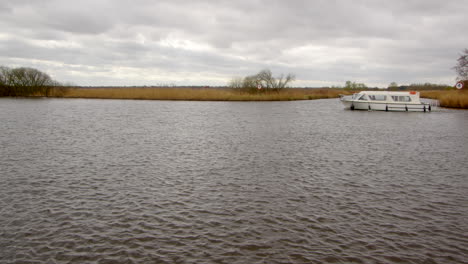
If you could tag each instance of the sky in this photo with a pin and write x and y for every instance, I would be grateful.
(209, 42)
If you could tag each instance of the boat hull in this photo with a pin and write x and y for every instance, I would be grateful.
(375, 106)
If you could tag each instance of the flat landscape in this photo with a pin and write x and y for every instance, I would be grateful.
(201, 94)
(447, 98)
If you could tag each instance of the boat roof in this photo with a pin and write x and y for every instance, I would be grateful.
(390, 92)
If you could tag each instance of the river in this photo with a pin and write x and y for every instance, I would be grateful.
(128, 181)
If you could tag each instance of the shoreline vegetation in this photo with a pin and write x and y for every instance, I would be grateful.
(447, 98)
(200, 94)
(263, 86)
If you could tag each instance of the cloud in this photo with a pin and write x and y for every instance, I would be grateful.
(123, 42)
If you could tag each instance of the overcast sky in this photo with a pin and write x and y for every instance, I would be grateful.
(187, 42)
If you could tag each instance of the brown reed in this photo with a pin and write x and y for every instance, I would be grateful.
(201, 94)
(449, 98)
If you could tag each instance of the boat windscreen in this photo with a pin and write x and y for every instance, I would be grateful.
(363, 97)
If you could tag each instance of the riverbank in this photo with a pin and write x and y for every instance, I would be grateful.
(447, 98)
(450, 99)
(199, 94)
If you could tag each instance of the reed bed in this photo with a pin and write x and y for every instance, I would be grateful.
(450, 98)
(446, 98)
(201, 94)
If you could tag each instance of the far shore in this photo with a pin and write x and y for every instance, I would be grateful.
(199, 94)
(447, 98)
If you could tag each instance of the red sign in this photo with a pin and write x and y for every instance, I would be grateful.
(459, 85)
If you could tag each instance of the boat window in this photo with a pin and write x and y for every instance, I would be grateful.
(401, 98)
(378, 97)
(405, 99)
(363, 98)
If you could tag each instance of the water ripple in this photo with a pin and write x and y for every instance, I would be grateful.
(97, 181)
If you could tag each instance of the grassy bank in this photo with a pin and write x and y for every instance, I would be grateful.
(447, 98)
(199, 94)
(451, 98)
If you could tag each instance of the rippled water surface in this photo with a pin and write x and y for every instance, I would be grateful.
(115, 181)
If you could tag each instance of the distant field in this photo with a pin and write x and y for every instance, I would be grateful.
(451, 98)
(200, 94)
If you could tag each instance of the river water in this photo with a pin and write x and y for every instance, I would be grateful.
(124, 181)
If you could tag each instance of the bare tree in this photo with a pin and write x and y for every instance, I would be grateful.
(29, 81)
(264, 79)
(250, 83)
(3, 75)
(30, 77)
(25, 82)
(236, 83)
(462, 67)
(5, 82)
(282, 83)
(269, 82)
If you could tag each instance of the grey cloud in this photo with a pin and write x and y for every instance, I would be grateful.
(4, 9)
(379, 41)
(79, 23)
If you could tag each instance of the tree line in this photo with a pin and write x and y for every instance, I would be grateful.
(419, 87)
(24, 81)
(264, 81)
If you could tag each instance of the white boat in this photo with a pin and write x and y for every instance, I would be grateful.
(385, 101)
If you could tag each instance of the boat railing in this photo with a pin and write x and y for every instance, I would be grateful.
(407, 107)
(432, 102)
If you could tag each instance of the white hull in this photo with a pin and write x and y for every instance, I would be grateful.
(370, 106)
(385, 101)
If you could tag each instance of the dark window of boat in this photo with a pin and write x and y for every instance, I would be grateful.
(378, 97)
(405, 99)
(401, 98)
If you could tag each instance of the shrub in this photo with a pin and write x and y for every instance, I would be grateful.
(25, 82)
